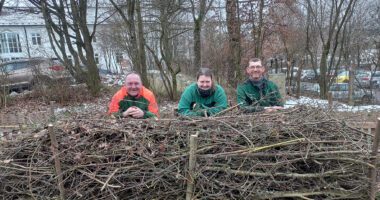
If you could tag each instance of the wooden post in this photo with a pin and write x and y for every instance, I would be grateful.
(52, 115)
(57, 162)
(329, 97)
(192, 162)
(373, 171)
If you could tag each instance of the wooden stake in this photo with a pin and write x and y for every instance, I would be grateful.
(373, 171)
(52, 115)
(57, 162)
(329, 97)
(192, 162)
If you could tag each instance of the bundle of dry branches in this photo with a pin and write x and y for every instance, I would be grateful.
(298, 153)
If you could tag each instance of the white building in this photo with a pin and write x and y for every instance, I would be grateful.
(23, 35)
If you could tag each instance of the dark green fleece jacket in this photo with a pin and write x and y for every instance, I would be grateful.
(193, 104)
(251, 98)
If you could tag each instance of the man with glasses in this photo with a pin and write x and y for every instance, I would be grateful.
(257, 93)
(134, 100)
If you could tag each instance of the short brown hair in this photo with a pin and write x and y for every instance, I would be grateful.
(255, 60)
(205, 72)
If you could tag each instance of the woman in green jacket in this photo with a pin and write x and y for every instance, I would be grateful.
(203, 98)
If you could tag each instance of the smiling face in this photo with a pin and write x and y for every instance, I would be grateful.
(255, 70)
(204, 82)
(133, 84)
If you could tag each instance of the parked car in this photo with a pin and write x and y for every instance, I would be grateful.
(376, 79)
(343, 77)
(363, 79)
(25, 73)
(308, 75)
(340, 91)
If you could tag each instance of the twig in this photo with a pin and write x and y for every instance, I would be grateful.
(226, 110)
(109, 178)
(97, 180)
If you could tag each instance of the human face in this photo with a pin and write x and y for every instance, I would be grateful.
(255, 70)
(204, 82)
(133, 84)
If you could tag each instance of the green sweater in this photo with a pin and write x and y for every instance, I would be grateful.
(193, 104)
(252, 98)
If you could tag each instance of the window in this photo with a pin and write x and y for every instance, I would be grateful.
(36, 39)
(10, 43)
(344, 87)
(119, 57)
(9, 67)
(70, 59)
(334, 87)
(20, 65)
(97, 58)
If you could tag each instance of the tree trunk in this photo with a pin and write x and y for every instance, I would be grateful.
(141, 42)
(323, 76)
(1, 5)
(233, 26)
(259, 32)
(197, 43)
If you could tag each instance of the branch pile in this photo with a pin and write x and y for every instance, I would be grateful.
(297, 153)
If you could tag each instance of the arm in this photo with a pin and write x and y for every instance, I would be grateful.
(276, 97)
(243, 104)
(184, 105)
(152, 107)
(113, 107)
(221, 102)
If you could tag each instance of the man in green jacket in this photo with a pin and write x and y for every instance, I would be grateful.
(257, 93)
(134, 100)
(203, 98)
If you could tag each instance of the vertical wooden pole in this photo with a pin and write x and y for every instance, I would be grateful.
(52, 115)
(192, 162)
(57, 162)
(373, 171)
(329, 97)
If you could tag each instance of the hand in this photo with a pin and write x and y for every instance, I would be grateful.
(273, 108)
(134, 112)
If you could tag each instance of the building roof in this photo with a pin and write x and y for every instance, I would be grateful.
(11, 16)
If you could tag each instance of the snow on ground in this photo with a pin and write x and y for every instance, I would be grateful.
(337, 106)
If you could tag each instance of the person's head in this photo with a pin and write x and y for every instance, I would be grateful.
(205, 79)
(255, 69)
(133, 83)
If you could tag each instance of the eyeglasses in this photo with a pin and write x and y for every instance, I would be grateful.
(255, 66)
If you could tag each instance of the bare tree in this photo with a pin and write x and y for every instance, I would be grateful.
(67, 27)
(164, 29)
(129, 10)
(329, 18)
(287, 27)
(198, 17)
(233, 26)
